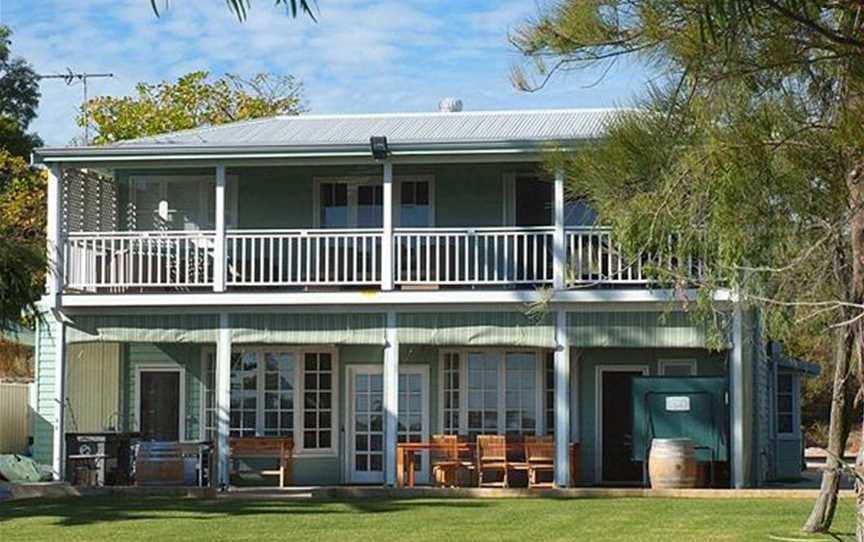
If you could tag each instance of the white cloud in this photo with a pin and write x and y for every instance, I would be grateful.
(362, 55)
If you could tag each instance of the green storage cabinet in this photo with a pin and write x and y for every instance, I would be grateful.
(681, 407)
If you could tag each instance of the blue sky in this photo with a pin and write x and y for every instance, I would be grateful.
(361, 56)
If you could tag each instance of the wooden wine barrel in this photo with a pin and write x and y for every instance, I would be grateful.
(672, 463)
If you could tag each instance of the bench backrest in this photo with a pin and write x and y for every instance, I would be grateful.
(262, 446)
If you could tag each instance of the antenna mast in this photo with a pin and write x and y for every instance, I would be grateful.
(69, 78)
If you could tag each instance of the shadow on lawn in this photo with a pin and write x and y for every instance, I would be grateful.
(77, 511)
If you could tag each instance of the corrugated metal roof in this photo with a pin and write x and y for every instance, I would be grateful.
(400, 128)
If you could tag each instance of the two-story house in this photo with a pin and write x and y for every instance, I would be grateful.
(353, 281)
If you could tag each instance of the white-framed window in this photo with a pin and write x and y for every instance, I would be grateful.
(358, 202)
(416, 197)
(451, 392)
(318, 401)
(277, 391)
(492, 391)
(787, 404)
(483, 409)
(677, 367)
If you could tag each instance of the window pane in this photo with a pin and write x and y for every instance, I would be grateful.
(317, 422)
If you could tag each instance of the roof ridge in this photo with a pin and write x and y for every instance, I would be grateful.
(471, 113)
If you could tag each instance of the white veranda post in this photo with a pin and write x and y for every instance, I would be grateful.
(562, 401)
(391, 399)
(223, 399)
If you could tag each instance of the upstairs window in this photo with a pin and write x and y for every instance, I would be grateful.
(415, 204)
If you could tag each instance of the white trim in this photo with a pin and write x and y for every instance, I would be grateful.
(559, 241)
(378, 298)
(390, 371)
(598, 410)
(54, 239)
(662, 364)
(162, 368)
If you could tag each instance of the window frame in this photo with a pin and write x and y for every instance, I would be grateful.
(795, 393)
(662, 364)
(355, 181)
(501, 429)
(298, 391)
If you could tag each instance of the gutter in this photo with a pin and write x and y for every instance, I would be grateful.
(167, 151)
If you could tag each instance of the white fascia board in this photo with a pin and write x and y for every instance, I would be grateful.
(573, 300)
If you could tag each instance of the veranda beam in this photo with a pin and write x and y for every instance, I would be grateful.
(391, 399)
(223, 400)
(562, 401)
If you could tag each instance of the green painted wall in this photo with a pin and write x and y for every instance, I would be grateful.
(788, 459)
(282, 197)
(43, 425)
(707, 364)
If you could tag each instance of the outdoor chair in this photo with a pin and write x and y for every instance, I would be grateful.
(491, 457)
(444, 458)
(540, 456)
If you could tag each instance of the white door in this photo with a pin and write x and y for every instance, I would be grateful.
(366, 415)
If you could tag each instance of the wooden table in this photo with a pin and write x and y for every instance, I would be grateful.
(406, 452)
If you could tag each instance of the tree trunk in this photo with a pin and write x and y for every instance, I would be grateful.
(855, 183)
(838, 431)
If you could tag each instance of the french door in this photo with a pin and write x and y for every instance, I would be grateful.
(366, 420)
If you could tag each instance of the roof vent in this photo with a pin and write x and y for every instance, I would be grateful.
(450, 105)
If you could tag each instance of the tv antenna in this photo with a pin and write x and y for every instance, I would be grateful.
(70, 78)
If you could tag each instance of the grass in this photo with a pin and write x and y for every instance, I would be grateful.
(526, 520)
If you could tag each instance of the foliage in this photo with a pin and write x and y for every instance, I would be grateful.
(22, 191)
(241, 7)
(192, 101)
(749, 154)
(22, 236)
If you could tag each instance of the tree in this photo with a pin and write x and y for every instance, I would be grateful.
(192, 101)
(750, 151)
(22, 190)
(241, 7)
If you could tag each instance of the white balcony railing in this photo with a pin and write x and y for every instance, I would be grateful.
(469, 256)
(303, 257)
(594, 257)
(139, 259)
(495, 256)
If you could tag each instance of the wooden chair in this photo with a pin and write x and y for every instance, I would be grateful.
(445, 460)
(280, 448)
(491, 456)
(540, 456)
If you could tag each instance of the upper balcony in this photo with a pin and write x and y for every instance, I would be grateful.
(302, 204)
(477, 226)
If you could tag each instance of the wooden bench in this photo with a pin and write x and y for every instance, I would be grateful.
(281, 448)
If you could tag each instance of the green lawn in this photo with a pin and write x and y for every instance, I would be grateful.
(526, 520)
